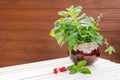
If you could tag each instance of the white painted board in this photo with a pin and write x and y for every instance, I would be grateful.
(101, 70)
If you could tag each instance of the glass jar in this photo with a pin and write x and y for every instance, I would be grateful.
(90, 57)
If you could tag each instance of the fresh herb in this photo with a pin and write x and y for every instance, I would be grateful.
(80, 67)
(73, 28)
(109, 49)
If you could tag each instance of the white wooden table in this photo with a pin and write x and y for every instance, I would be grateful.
(101, 70)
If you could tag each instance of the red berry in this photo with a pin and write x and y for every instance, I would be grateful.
(62, 69)
(55, 71)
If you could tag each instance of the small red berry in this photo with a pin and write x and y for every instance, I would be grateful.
(55, 71)
(62, 69)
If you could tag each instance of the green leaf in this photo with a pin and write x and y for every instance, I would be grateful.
(72, 40)
(110, 50)
(74, 11)
(94, 28)
(81, 63)
(63, 13)
(96, 37)
(78, 9)
(67, 20)
(70, 9)
(60, 40)
(106, 43)
(52, 33)
(58, 23)
(78, 69)
(87, 22)
(92, 19)
(82, 16)
(98, 40)
(113, 49)
(72, 69)
(85, 71)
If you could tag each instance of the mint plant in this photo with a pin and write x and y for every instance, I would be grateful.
(76, 28)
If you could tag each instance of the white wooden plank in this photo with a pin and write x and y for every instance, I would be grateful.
(101, 70)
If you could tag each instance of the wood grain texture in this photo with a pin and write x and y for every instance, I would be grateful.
(25, 27)
(44, 35)
(51, 14)
(33, 25)
(36, 4)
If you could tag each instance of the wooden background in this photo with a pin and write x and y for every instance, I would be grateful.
(25, 26)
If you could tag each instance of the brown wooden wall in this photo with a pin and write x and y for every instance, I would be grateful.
(25, 26)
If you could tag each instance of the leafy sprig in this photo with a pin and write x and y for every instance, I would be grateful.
(80, 67)
(109, 48)
(73, 28)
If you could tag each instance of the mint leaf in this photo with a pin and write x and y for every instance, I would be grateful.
(72, 40)
(72, 69)
(81, 63)
(106, 43)
(92, 19)
(78, 69)
(82, 16)
(87, 22)
(67, 20)
(60, 40)
(63, 13)
(74, 11)
(78, 9)
(94, 28)
(70, 8)
(52, 33)
(85, 71)
(110, 50)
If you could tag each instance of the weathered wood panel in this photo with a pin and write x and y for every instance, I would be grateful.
(36, 4)
(20, 57)
(16, 57)
(32, 25)
(44, 35)
(51, 14)
(44, 46)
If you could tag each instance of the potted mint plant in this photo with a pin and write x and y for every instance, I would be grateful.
(81, 34)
